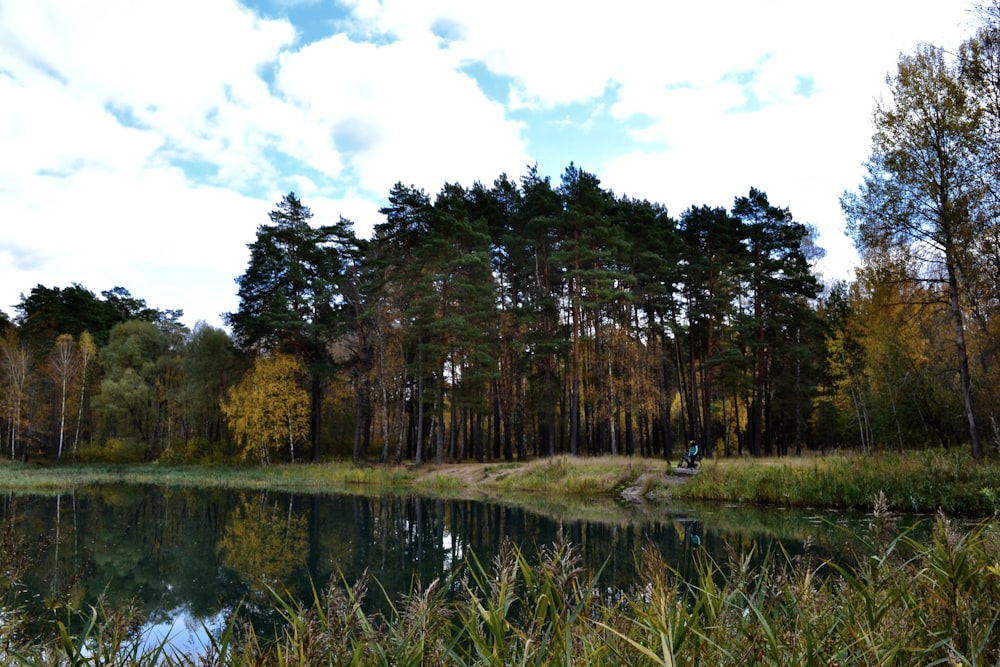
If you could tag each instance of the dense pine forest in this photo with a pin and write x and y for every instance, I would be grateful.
(529, 318)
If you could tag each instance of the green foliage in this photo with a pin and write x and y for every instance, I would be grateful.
(197, 451)
(113, 450)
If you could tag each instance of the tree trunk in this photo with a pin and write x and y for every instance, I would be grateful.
(963, 361)
(316, 408)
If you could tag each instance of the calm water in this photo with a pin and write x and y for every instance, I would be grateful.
(188, 557)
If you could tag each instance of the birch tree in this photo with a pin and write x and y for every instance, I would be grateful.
(14, 363)
(923, 189)
(269, 409)
(63, 363)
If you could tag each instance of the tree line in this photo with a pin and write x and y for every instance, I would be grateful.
(531, 318)
(521, 319)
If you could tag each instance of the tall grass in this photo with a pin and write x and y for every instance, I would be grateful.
(922, 481)
(899, 602)
(330, 476)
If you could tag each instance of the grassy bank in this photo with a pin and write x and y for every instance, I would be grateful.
(923, 482)
(903, 603)
(302, 477)
(561, 475)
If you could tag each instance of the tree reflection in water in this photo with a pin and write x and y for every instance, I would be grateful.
(264, 543)
(190, 557)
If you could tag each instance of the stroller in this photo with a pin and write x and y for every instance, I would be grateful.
(690, 460)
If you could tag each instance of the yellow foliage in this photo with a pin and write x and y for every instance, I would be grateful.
(264, 543)
(269, 408)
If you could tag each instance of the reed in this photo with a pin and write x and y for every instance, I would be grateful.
(900, 601)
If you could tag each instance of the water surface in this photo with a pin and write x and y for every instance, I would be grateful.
(189, 557)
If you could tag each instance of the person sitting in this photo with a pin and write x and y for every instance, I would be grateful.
(690, 460)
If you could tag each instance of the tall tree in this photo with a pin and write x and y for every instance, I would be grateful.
(589, 242)
(501, 206)
(979, 59)
(464, 324)
(211, 364)
(546, 337)
(400, 290)
(923, 189)
(48, 312)
(291, 295)
(779, 284)
(140, 389)
(655, 264)
(709, 285)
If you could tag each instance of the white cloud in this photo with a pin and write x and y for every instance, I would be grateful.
(144, 142)
(401, 112)
(187, 72)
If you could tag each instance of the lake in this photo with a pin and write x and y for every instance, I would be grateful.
(189, 557)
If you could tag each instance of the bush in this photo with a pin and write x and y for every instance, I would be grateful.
(114, 450)
(195, 451)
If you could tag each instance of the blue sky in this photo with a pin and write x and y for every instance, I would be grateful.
(143, 142)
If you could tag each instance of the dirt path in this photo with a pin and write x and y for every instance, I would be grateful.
(473, 475)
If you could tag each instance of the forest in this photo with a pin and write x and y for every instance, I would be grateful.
(530, 318)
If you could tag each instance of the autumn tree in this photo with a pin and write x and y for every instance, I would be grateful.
(269, 410)
(14, 362)
(264, 542)
(64, 361)
(86, 352)
(923, 193)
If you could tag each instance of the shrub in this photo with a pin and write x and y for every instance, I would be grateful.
(113, 450)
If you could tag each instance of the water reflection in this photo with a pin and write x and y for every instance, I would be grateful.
(188, 557)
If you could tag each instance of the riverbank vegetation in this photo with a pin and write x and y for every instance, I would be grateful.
(900, 601)
(914, 482)
(920, 482)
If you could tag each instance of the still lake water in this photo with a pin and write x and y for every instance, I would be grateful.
(189, 557)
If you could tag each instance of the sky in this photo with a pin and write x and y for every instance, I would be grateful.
(142, 143)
